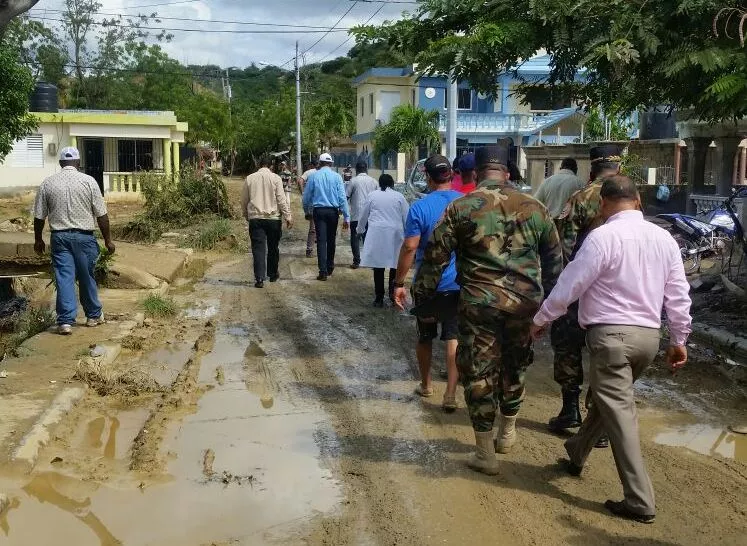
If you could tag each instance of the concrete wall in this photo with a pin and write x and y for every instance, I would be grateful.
(24, 177)
(366, 122)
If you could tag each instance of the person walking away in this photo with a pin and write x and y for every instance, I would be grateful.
(556, 190)
(383, 221)
(310, 169)
(286, 176)
(507, 257)
(324, 196)
(624, 274)
(579, 216)
(347, 175)
(73, 204)
(423, 217)
(357, 192)
(263, 202)
(467, 180)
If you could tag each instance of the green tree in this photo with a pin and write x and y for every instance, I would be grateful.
(600, 127)
(15, 89)
(635, 53)
(408, 128)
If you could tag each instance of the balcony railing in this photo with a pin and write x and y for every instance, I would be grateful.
(469, 122)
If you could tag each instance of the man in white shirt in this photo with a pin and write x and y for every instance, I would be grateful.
(73, 204)
(625, 272)
(263, 202)
(358, 190)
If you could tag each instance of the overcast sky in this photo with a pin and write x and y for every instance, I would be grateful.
(243, 49)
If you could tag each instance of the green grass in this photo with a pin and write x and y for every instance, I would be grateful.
(210, 234)
(158, 307)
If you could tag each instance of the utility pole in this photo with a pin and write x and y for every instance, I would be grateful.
(228, 93)
(451, 119)
(299, 167)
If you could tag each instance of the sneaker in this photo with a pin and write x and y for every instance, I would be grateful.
(274, 279)
(322, 277)
(93, 322)
(65, 329)
(259, 284)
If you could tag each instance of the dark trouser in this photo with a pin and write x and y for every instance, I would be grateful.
(379, 282)
(74, 257)
(355, 243)
(567, 339)
(265, 236)
(325, 221)
(495, 350)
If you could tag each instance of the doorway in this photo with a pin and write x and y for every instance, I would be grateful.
(93, 160)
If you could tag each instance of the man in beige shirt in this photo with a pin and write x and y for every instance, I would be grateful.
(264, 205)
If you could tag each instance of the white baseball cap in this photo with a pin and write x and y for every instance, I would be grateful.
(69, 154)
(326, 158)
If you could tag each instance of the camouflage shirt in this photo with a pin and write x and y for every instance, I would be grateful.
(580, 215)
(507, 250)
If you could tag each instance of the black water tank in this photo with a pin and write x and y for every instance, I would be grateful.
(44, 98)
(656, 123)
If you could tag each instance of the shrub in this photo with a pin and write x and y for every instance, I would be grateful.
(176, 202)
(210, 234)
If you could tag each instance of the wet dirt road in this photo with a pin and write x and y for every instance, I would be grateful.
(291, 419)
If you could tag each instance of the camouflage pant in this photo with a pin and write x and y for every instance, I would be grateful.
(494, 351)
(568, 339)
(311, 238)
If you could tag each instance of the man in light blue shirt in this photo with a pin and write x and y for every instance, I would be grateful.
(324, 197)
(423, 217)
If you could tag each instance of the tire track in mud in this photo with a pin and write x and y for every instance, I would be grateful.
(181, 399)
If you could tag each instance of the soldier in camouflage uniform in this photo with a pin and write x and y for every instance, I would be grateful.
(580, 216)
(507, 257)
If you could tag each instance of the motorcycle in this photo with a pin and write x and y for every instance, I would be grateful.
(701, 237)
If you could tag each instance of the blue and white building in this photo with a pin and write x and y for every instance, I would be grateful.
(480, 119)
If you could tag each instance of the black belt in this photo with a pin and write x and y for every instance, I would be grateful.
(73, 230)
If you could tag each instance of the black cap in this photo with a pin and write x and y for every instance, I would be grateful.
(610, 152)
(495, 154)
(438, 168)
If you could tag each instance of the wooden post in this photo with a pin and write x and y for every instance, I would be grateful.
(677, 163)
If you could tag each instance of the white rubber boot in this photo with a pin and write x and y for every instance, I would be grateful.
(506, 434)
(483, 459)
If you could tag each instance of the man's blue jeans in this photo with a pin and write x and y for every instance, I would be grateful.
(74, 257)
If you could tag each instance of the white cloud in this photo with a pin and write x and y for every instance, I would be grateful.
(226, 49)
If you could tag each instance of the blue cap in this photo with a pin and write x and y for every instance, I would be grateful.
(467, 162)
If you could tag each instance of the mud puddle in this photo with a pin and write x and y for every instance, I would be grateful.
(706, 440)
(243, 469)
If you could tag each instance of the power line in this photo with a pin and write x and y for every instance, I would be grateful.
(325, 35)
(381, 7)
(189, 19)
(388, 1)
(201, 30)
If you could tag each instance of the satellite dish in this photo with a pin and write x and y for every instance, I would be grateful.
(430, 92)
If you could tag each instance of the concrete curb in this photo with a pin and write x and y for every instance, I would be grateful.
(721, 339)
(27, 451)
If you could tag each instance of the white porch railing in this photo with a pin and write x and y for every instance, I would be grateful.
(124, 182)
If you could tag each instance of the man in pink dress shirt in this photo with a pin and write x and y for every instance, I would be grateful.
(624, 273)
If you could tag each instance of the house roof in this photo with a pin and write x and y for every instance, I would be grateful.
(114, 117)
(383, 72)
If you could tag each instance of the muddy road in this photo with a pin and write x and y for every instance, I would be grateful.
(288, 417)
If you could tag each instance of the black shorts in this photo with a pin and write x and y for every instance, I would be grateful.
(428, 331)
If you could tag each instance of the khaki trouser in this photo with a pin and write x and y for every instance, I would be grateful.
(619, 354)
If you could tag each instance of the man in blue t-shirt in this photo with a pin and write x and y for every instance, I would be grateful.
(423, 217)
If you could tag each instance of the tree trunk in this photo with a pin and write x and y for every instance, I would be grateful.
(12, 8)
